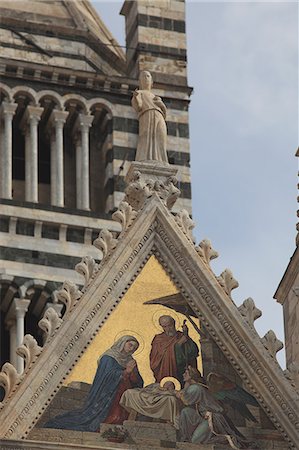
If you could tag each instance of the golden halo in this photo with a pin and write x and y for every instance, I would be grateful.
(165, 312)
(174, 381)
(136, 335)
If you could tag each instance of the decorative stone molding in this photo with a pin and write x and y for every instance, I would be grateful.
(29, 351)
(249, 311)
(137, 192)
(272, 344)
(125, 215)
(9, 378)
(227, 281)
(105, 242)
(185, 223)
(206, 251)
(69, 294)
(148, 178)
(167, 191)
(50, 324)
(87, 267)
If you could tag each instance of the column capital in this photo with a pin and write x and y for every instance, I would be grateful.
(21, 306)
(31, 113)
(84, 120)
(34, 112)
(8, 109)
(58, 117)
(18, 308)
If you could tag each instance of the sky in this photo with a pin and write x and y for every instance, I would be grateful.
(243, 66)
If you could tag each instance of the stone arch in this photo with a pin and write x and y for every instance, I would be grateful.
(5, 91)
(11, 282)
(104, 104)
(31, 93)
(78, 99)
(52, 95)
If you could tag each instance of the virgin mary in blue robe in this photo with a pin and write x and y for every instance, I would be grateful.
(116, 372)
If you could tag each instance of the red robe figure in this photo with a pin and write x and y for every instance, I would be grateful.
(172, 351)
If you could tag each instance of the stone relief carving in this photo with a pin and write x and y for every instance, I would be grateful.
(168, 192)
(249, 311)
(206, 251)
(185, 223)
(138, 191)
(227, 281)
(125, 215)
(272, 344)
(50, 324)
(9, 378)
(87, 267)
(29, 351)
(105, 242)
(69, 294)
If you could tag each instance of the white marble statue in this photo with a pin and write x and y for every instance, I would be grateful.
(152, 127)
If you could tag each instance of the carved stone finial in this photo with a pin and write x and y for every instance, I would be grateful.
(185, 222)
(271, 343)
(105, 242)
(137, 192)
(152, 126)
(173, 192)
(227, 281)
(87, 267)
(249, 311)
(29, 350)
(125, 215)
(167, 191)
(50, 323)
(69, 294)
(206, 251)
(9, 378)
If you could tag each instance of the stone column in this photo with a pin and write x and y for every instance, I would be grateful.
(53, 166)
(11, 326)
(85, 122)
(21, 307)
(26, 132)
(30, 126)
(57, 119)
(15, 322)
(7, 113)
(78, 145)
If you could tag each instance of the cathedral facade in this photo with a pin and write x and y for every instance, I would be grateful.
(97, 252)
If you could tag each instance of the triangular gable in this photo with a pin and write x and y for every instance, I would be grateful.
(151, 230)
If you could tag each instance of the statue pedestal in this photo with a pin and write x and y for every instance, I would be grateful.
(147, 178)
(154, 170)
